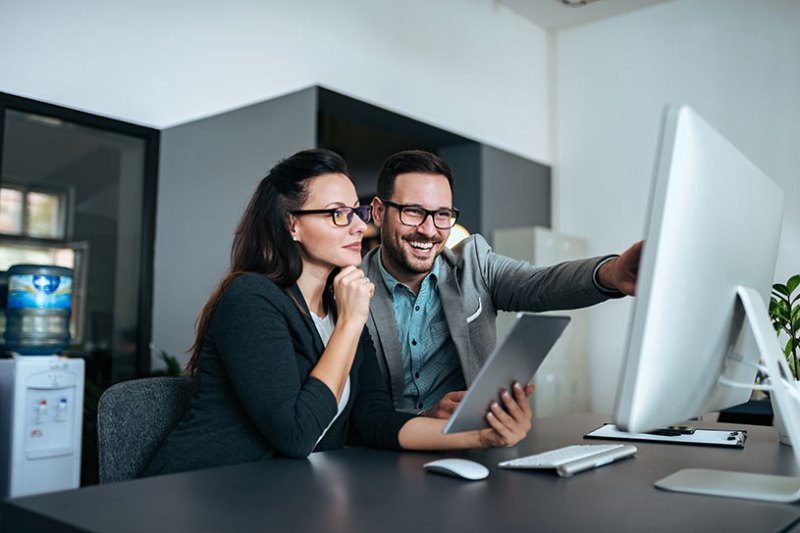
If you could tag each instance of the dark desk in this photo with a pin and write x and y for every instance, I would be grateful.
(372, 490)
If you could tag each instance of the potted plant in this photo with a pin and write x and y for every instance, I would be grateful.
(784, 312)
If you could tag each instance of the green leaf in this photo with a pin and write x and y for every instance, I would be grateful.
(781, 311)
(794, 300)
(793, 283)
(774, 309)
(787, 350)
(780, 288)
(173, 366)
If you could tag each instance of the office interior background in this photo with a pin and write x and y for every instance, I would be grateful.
(582, 93)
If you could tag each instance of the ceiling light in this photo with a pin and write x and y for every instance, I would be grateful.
(577, 3)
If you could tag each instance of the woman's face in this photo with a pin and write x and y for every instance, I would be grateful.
(322, 243)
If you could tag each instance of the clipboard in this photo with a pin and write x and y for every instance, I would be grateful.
(703, 437)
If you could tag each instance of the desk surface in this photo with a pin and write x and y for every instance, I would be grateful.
(369, 490)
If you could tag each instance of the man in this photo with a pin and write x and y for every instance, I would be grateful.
(433, 314)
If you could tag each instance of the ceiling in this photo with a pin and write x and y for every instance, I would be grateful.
(558, 15)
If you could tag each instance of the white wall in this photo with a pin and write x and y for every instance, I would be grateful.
(736, 61)
(470, 66)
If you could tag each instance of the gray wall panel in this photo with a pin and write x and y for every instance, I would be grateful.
(208, 171)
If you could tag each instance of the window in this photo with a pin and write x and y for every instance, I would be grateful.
(28, 212)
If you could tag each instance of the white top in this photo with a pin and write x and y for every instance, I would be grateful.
(325, 328)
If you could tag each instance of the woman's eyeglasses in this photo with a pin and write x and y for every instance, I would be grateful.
(341, 216)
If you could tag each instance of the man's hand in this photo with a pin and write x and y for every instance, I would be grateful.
(621, 272)
(444, 409)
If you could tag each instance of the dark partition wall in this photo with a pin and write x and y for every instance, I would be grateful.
(496, 189)
(515, 192)
(493, 188)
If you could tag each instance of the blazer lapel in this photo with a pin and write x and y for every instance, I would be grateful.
(453, 307)
(305, 316)
(384, 324)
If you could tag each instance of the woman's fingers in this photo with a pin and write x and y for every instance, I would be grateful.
(353, 279)
(353, 292)
(512, 423)
(521, 395)
(502, 434)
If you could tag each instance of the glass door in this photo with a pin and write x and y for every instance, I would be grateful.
(77, 190)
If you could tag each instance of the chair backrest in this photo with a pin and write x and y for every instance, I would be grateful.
(133, 419)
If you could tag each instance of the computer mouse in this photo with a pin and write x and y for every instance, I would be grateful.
(461, 468)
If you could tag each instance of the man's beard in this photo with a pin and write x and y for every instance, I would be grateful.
(399, 257)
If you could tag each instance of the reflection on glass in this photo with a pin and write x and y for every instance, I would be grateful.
(44, 215)
(10, 211)
(84, 185)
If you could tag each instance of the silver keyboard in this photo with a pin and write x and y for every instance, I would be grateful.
(570, 460)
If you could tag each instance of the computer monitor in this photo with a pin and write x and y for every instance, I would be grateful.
(700, 324)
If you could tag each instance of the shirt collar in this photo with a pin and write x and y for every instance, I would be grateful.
(391, 282)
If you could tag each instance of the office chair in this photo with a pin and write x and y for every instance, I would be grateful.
(133, 419)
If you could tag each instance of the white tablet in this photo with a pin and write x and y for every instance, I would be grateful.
(516, 358)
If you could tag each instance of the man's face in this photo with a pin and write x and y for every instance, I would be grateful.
(409, 252)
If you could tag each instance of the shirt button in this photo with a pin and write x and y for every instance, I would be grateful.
(413, 342)
(416, 308)
(416, 375)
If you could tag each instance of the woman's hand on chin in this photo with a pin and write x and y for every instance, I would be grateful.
(353, 292)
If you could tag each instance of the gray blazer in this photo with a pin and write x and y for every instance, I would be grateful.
(474, 283)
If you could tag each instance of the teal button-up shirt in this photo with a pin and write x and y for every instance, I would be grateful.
(431, 367)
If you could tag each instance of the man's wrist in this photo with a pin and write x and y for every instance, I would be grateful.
(608, 291)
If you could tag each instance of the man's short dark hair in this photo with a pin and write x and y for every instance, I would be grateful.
(410, 161)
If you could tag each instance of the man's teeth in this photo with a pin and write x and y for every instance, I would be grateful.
(421, 245)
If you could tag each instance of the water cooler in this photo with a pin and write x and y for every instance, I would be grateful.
(41, 393)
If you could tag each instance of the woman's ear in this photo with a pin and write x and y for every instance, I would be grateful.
(292, 227)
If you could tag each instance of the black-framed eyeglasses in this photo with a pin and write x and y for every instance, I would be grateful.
(414, 215)
(341, 216)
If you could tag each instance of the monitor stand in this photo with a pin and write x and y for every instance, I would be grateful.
(786, 396)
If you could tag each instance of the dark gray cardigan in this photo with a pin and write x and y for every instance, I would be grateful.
(253, 396)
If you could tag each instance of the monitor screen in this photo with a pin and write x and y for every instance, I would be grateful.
(714, 225)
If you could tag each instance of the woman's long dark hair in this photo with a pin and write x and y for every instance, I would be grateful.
(262, 243)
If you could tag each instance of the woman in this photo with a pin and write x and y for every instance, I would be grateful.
(282, 361)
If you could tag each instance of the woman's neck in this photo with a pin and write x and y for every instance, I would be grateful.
(312, 283)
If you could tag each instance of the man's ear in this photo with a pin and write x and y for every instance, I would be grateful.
(378, 212)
